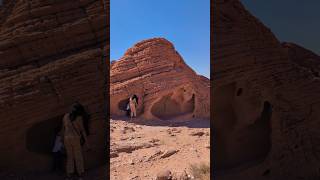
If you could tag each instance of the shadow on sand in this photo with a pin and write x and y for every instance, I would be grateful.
(193, 123)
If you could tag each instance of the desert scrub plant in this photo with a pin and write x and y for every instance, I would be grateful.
(200, 171)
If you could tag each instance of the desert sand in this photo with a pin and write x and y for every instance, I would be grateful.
(143, 149)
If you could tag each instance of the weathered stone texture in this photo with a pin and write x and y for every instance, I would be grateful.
(265, 100)
(52, 53)
(167, 88)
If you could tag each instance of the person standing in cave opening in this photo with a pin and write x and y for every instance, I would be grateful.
(133, 103)
(74, 136)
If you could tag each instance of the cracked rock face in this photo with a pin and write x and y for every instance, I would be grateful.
(51, 54)
(166, 87)
(265, 100)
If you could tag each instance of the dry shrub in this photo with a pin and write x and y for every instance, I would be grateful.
(200, 171)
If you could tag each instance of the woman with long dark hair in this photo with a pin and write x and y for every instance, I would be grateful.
(74, 133)
(133, 103)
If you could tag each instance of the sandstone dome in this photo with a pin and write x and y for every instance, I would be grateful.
(166, 86)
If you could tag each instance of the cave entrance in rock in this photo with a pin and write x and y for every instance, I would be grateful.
(40, 137)
(168, 108)
(263, 128)
(122, 105)
(247, 146)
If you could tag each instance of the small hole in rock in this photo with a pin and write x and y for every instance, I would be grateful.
(267, 172)
(239, 92)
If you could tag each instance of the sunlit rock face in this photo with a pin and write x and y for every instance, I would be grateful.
(166, 87)
(265, 100)
(51, 54)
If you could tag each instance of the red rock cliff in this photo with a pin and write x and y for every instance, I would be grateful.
(51, 54)
(265, 100)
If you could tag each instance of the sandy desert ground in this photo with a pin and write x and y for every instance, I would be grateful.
(145, 149)
(91, 174)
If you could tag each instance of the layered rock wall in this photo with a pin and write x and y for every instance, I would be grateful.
(265, 101)
(52, 53)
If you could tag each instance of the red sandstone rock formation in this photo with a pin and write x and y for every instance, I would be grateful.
(51, 54)
(303, 57)
(167, 88)
(265, 100)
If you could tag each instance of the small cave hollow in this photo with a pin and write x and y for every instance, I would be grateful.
(239, 92)
(122, 105)
(40, 137)
(240, 147)
(168, 108)
(261, 134)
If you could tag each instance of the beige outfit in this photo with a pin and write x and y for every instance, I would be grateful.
(133, 107)
(72, 136)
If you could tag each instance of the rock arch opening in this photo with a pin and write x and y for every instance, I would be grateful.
(261, 134)
(240, 146)
(123, 105)
(40, 137)
(168, 107)
(189, 106)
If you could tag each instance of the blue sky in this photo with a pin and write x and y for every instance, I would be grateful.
(290, 20)
(186, 23)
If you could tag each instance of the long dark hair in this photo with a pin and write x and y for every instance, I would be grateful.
(135, 97)
(78, 110)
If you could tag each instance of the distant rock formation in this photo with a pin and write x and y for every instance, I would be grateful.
(167, 88)
(265, 100)
(51, 54)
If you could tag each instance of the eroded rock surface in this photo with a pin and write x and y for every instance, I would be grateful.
(51, 54)
(265, 100)
(167, 88)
